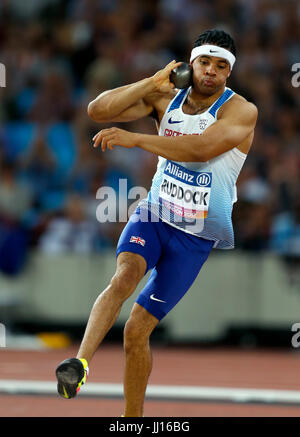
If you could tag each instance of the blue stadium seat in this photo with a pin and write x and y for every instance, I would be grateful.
(52, 200)
(62, 141)
(25, 100)
(17, 138)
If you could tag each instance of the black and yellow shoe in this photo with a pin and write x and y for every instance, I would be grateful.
(71, 374)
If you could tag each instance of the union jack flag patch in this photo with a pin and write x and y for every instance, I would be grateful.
(138, 240)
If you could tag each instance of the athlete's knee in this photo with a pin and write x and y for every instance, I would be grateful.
(134, 335)
(138, 328)
(130, 271)
(122, 285)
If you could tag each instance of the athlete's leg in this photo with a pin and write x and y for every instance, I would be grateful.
(184, 256)
(138, 359)
(130, 270)
(172, 276)
(138, 250)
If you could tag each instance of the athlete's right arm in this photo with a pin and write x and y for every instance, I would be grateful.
(131, 102)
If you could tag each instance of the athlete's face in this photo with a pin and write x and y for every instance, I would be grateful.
(209, 74)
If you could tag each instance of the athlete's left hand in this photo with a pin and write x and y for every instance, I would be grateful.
(108, 138)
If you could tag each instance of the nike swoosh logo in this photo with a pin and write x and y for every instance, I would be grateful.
(65, 393)
(158, 300)
(172, 122)
(213, 51)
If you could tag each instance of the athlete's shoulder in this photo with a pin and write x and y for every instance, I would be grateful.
(161, 101)
(156, 97)
(239, 105)
(242, 101)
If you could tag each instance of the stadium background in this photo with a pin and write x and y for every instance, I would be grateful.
(54, 255)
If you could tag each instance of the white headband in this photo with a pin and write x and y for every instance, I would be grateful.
(211, 50)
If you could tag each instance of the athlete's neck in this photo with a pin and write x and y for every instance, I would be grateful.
(201, 101)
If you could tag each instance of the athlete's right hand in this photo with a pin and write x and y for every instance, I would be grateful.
(161, 79)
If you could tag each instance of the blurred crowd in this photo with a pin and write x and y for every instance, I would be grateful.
(60, 54)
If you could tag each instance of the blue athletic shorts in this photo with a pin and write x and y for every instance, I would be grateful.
(175, 258)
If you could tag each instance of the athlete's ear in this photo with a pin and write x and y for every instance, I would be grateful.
(229, 70)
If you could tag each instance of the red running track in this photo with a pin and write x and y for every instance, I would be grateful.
(218, 367)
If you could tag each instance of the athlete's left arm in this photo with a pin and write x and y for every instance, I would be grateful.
(236, 123)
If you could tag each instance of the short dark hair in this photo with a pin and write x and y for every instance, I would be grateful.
(218, 38)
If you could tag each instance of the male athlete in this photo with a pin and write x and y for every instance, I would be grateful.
(204, 135)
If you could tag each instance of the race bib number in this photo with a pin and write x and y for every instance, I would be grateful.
(185, 192)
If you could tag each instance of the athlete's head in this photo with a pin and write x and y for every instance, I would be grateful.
(212, 58)
(217, 38)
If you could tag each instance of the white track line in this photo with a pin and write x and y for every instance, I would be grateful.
(170, 392)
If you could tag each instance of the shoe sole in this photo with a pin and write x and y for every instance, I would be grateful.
(67, 378)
